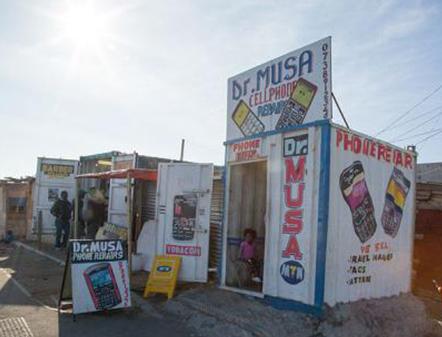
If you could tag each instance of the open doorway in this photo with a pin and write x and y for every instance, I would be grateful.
(246, 226)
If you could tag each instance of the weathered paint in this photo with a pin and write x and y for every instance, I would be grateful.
(378, 261)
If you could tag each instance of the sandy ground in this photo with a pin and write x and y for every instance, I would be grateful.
(208, 311)
(218, 313)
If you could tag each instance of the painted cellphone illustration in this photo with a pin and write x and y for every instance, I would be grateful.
(395, 197)
(102, 286)
(246, 120)
(298, 104)
(355, 192)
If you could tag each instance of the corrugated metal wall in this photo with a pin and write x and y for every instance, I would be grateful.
(216, 217)
(148, 201)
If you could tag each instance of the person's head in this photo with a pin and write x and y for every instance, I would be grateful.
(64, 195)
(249, 235)
(81, 194)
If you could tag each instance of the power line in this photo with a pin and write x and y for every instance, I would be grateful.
(427, 138)
(418, 126)
(417, 117)
(408, 111)
(416, 135)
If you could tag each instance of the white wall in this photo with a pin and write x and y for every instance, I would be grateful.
(346, 278)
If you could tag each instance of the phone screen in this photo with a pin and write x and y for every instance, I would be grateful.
(101, 278)
(303, 93)
(240, 113)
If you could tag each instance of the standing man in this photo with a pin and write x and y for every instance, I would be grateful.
(62, 210)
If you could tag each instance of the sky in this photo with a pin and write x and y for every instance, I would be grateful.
(85, 77)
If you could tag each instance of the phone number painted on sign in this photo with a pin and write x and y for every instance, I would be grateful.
(290, 90)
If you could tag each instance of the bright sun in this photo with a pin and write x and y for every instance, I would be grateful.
(84, 25)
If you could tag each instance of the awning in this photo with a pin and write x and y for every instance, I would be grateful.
(142, 174)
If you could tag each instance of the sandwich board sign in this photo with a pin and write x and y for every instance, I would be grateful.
(163, 275)
(100, 276)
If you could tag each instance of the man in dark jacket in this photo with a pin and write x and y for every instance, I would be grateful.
(62, 210)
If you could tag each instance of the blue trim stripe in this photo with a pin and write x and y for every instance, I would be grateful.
(284, 304)
(274, 132)
(323, 206)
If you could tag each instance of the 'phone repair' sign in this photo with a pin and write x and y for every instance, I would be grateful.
(100, 276)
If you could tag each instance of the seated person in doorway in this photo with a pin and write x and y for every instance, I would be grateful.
(247, 254)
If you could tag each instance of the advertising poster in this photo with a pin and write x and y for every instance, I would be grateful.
(290, 90)
(53, 194)
(371, 210)
(100, 279)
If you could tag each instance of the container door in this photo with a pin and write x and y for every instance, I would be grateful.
(183, 214)
(117, 209)
(53, 176)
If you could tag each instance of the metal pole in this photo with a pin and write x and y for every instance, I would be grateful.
(182, 150)
(76, 208)
(129, 224)
(340, 111)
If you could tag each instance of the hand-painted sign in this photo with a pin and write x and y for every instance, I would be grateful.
(246, 150)
(290, 90)
(370, 186)
(295, 150)
(163, 275)
(57, 170)
(99, 275)
(183, 250)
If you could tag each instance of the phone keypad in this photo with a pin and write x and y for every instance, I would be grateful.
(251, 125)
(106, 296)
(293, 114)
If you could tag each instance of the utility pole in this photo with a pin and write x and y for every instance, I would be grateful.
(182, 150)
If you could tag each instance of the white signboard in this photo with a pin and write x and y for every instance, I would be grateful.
(100, 277)
(297, 218)
(290, 90)
(371, 218)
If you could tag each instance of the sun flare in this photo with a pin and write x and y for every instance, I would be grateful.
(84, 25)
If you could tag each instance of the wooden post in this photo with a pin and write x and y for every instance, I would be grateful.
(76, 208)
(129, 224)
(182, 150)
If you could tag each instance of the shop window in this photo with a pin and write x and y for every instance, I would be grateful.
(17, 205)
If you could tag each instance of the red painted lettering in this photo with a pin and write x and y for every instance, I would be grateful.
(298, 200)
(292, 173)
(408, 161)
(292, 248)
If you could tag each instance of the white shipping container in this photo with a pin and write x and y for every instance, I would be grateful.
(53, 176)
(333, 212)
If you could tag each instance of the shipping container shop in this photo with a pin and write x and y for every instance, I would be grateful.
(315, 213)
